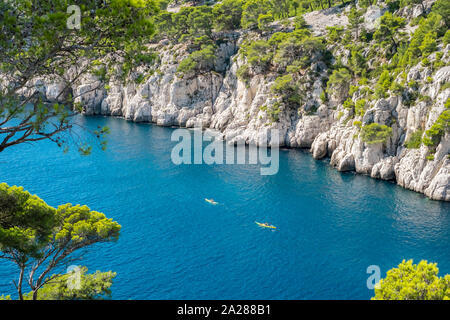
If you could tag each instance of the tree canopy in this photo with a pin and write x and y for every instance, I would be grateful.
(38, 238)
(442, 7)
(37, 44)
(386, 33)
(413, 282)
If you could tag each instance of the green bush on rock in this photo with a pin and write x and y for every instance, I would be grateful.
(198, 61)
(375, 133)
(339, 81)
(264, 21)
(286, 87)
(438, 129)
(415, 140)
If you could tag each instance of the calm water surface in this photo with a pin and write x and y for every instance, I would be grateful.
(174, 245)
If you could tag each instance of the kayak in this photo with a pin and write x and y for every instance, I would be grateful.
(211, 201)
(265, 225)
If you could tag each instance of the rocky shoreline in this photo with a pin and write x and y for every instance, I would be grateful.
(219, 100)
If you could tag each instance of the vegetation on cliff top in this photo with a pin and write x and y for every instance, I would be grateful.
(375, 68)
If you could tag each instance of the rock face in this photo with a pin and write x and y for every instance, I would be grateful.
(320, 20)
(220, 101)
(372, 15)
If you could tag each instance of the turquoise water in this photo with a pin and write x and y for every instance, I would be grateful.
(174, 245)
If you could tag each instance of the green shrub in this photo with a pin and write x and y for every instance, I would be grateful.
(375, 133)
(433, 135)
(348, 104)
(334, 34)
(283, 84)
(446, 38)
(360, 106)
(363, 81)
(396, 88)
(227, 15)
(323, 97)
(442, 8)
(243, 74)
(264, 21)
(429, 44)
(258, 54)
(352, 90)
(339, 79)
(286, 87)
(425, 62)
(445, 86)
(273, 112)
(415, 140)
(358, 62)
(300, 22)
(298, 48)
(423, 40)
(387, 32)
(383, 84)
(251, 11)
(425, 98)
(437, 64)
(298, 65)
(187, 65)
(413, 84)
(277, 38)
(413, 282)
(201, 60)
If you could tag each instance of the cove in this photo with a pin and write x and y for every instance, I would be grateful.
(330, 226)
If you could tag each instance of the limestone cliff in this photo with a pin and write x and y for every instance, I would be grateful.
(221, 101)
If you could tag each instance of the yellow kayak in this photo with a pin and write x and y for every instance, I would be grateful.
(265, 225)
(211, 201)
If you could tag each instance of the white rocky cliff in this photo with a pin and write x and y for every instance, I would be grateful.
(220, 101)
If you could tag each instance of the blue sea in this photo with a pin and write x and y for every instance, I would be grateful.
(331, 226)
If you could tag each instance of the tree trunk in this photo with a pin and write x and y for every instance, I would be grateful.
(19, 284)
(212, 91)
(395, 43)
